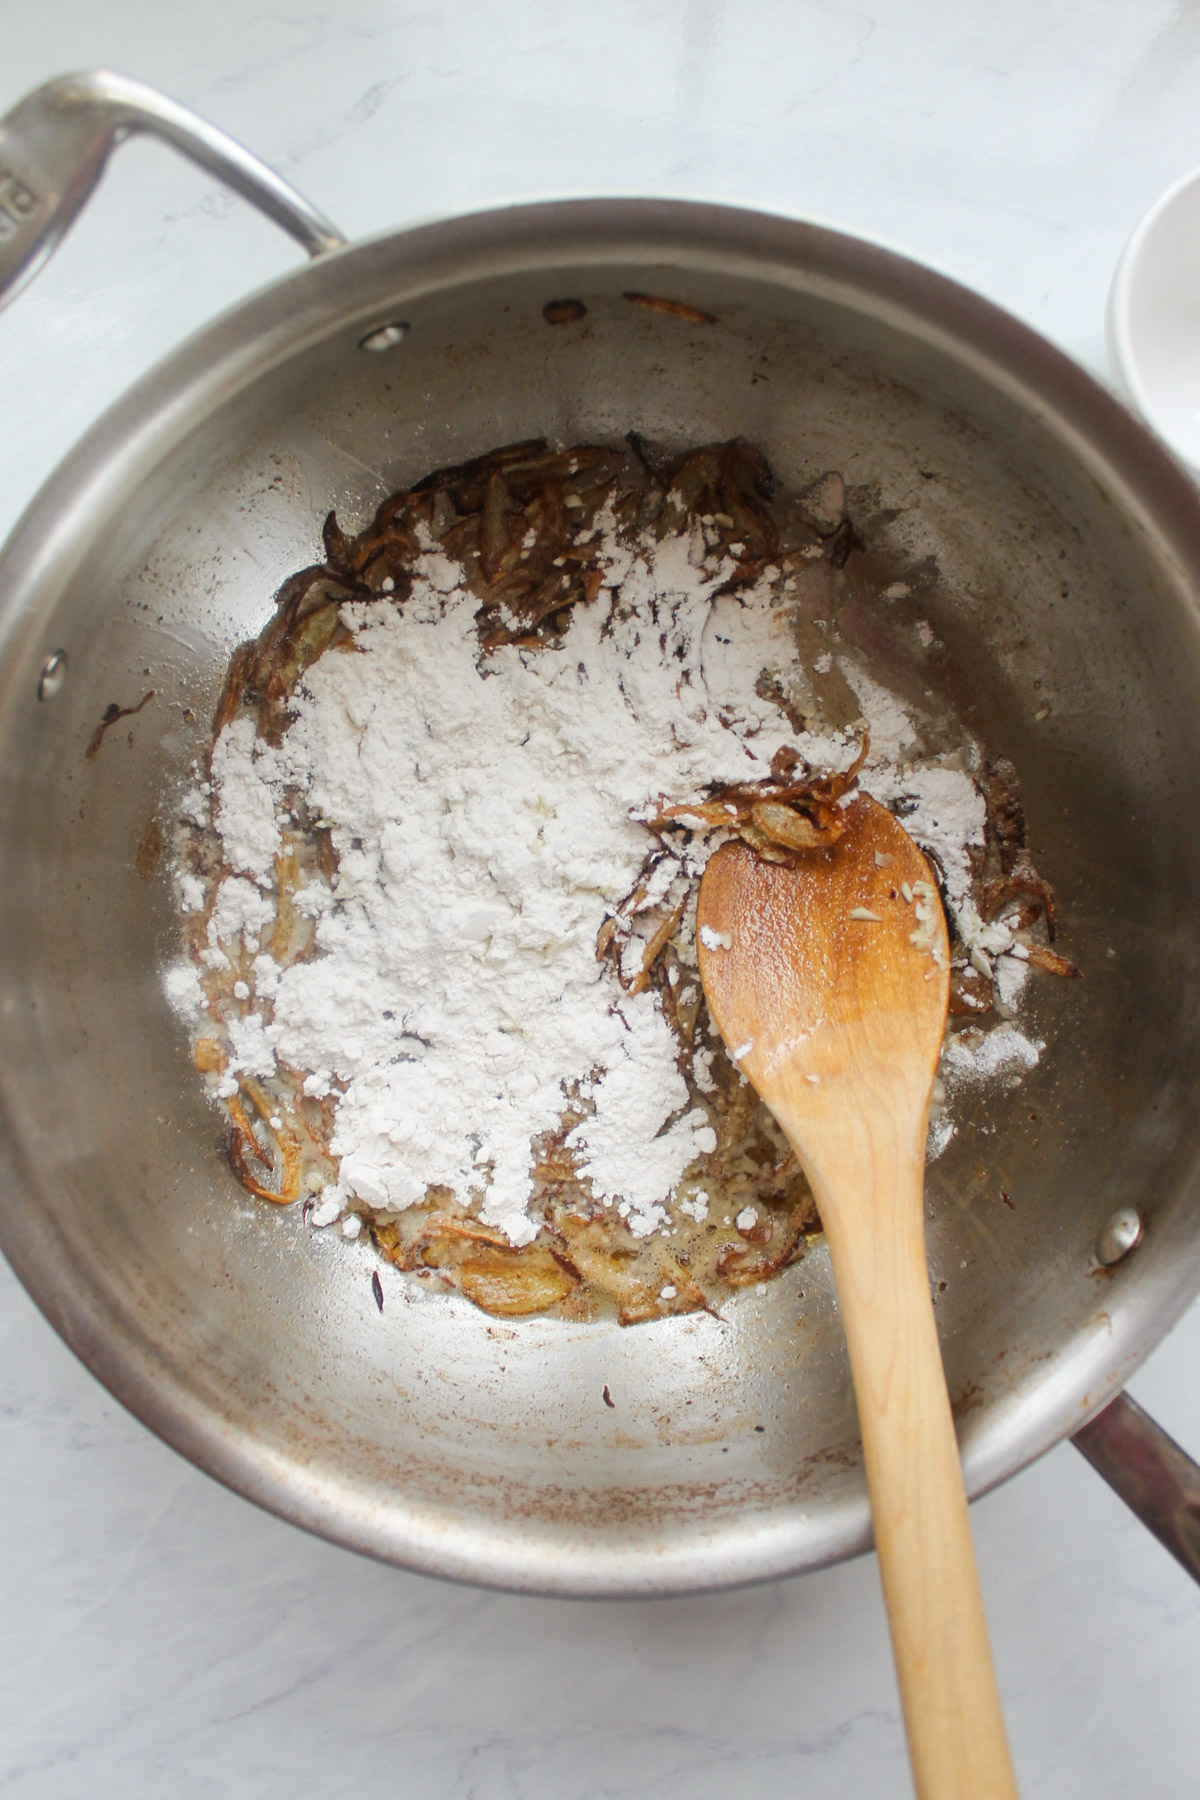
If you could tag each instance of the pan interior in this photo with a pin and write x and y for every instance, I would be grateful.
(428, 1432)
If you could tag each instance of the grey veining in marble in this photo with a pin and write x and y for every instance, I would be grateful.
(161, 1637)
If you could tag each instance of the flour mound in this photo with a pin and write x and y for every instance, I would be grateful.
(481, 812)
(484, 814)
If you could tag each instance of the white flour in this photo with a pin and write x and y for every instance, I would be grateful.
(484, 819)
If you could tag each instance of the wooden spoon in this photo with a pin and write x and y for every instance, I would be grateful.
(836, 1015)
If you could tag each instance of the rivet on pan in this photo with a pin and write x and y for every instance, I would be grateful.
(1120, 1235)
(53, 675)
(384, 337)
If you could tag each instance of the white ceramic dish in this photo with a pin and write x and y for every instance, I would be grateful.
(1154, 318)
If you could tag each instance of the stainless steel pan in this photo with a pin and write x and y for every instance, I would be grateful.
(1059, 549)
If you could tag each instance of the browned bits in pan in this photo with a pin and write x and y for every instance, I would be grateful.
(504, 1281)
(757, 1255)
(337, 545)
(788, 828)
(795, 810)
(111, 714)
(1052, 962)
(284, 1167)
(149, 851)
(841, 544)
(658, 941)
(1017, 879)
(564, 312)
(970, 993)
(674, 309)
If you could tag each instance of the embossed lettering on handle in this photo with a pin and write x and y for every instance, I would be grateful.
(55, 143)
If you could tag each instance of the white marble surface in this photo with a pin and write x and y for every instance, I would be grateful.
(159, 1636)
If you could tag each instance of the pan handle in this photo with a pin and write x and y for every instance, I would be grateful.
(54, 145)
(1156, 1479)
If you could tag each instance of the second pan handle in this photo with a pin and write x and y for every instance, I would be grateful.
(55, 143)
(1156, 1479)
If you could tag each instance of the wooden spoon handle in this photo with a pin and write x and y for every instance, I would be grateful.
(956, 1737)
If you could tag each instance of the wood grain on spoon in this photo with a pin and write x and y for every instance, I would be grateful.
(837, 1017)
